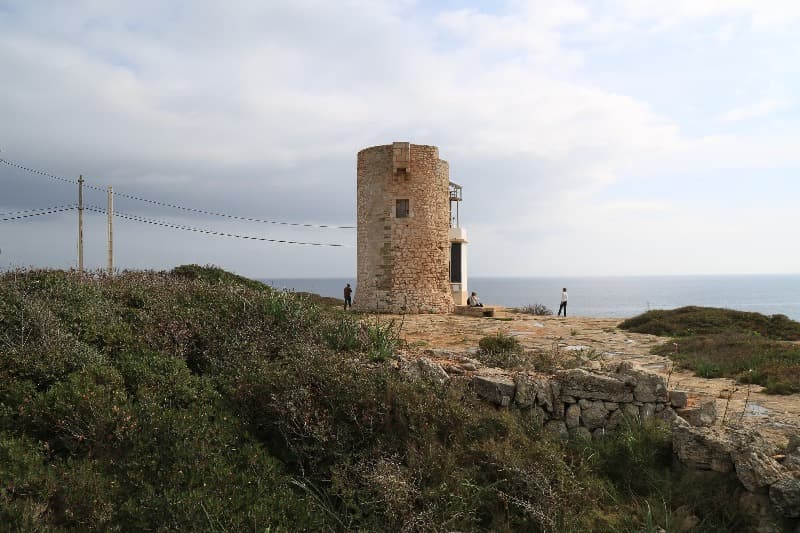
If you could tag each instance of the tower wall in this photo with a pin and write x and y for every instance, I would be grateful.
(403, 262)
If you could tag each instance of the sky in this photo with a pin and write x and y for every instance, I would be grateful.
(618, 137)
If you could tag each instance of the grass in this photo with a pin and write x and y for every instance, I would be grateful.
(199, 400)
(748, 358)
(749, 347)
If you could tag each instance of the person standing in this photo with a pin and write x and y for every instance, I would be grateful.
(348, 297)
(563, 302)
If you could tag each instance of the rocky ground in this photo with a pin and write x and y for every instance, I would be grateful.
(774, 416)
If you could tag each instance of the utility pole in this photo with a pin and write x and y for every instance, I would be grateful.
(110, 230)
(80, 224)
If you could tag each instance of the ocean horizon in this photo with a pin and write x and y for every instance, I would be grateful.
(613, 296)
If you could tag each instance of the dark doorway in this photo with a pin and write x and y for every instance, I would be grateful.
(455, 262)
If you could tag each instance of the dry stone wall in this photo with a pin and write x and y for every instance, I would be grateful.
(403, 263)
(580, 401)
(589, 404)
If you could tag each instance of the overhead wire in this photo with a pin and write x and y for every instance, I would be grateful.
(175, 206)
(183, 227)
(50, 212)
(38, 209)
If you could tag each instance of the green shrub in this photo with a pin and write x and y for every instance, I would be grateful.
(502, 351)
(198, 400)
(536, 309)
(693, 320)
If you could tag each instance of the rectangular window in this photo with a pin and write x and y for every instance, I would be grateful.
(401, 208)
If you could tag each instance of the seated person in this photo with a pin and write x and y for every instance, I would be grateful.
(474, 301)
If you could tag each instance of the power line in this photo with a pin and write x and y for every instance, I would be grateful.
(39, 209)
(175, 206)
(162, 223)
(34, 171)
(50, 212)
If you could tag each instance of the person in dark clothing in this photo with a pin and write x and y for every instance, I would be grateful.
(348, 297)
(563, 302)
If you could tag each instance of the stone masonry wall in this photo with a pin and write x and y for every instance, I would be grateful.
(589, 403)
(403, 263)
(579, 401)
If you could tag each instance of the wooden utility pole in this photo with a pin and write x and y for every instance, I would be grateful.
(110, 230)
(80, 224)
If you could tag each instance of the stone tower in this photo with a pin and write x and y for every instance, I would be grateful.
(403, 230)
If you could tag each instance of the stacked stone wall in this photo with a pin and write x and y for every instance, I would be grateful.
(403, 263)
(588, 404)
(579, 401)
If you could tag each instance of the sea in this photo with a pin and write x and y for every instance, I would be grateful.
(613, 296)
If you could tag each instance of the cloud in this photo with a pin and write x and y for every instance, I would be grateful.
(759, 109)
(260, 111)
(763, 15)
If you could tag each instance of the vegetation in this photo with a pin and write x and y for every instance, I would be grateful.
(536, 309)
(501, 351)
(199, 400)
(692, 320)
(749, 347)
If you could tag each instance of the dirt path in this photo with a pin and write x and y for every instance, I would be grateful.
(777, 415)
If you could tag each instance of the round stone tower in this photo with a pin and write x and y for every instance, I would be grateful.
(403, 224)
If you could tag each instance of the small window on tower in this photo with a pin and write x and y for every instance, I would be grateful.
(401, 208)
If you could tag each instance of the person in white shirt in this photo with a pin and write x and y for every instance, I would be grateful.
(563, 302)
(474, 301)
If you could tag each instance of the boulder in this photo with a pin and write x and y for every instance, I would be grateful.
(538, 416)
(703, 448)
(631, 412)
(755, 469)
(572, 416)
(785, 497)
(649, 386)
(498, 389)
(580, 383)
(558, 405)
(424, 369)
(525, 395)
(678, 398)
(533, 389)
(544, 393)
(667, 414)
(595, 416)
(701, 413)
(440, 353)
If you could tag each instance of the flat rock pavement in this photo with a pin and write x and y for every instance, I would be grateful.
(776, 416)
